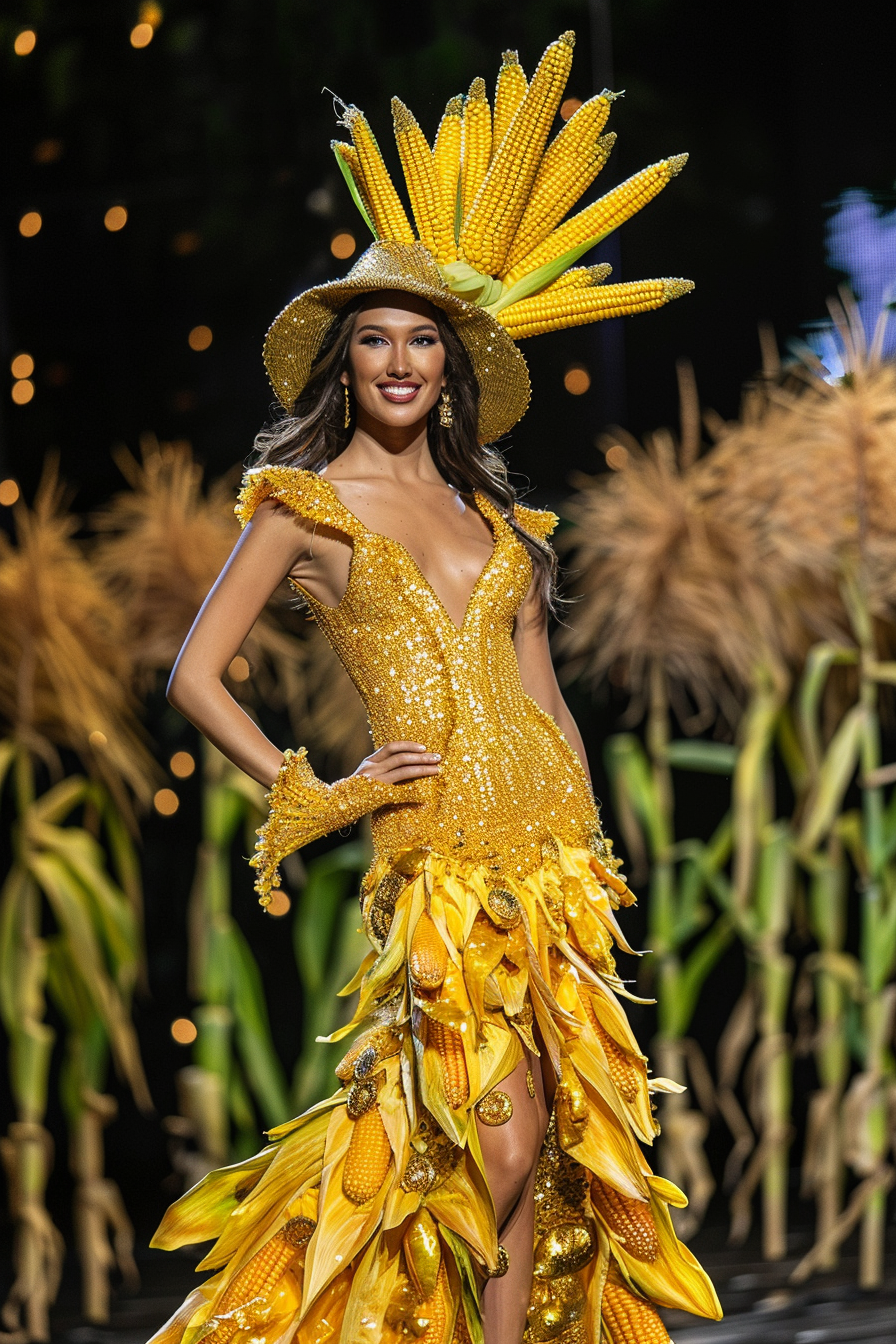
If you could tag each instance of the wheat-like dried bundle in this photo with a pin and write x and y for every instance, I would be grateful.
(662, 578)
(65, 667)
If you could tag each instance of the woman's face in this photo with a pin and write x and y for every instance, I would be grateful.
(396, 359)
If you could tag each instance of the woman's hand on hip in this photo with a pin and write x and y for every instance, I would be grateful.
(399, 761)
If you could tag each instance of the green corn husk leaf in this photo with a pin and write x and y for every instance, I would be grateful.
(632, 778)
(544, 275)
(468, 1285)
(113, 917)
(835, 772)
(774, 882)
(67, 898)
(819, 661)
(881, 672)
(458, 209)
(54, 806)
(262, 1067)
(694, 972)
(353, 190)
(469, 284)
(712, 758)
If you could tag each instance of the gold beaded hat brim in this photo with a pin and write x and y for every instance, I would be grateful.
(494, 248)
(298, 333)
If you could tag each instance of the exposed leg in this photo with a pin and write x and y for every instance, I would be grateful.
(511, 1155)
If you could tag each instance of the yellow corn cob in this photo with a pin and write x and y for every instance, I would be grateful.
(434, 224)
(625, 1075)
(368, 1158)
(386, 210)
(446, 155)
(257, 1277)
(495, 215)
(429, 955)
(628, 1218)
(476, 148)
(571, 163)
(580, 277)
(381, 1039)
(602, 217)
(461, 1329)
(510, 91)
(575, 307)
(629, 1319)
(349, 156)
(450, 1047)
(432, 1314)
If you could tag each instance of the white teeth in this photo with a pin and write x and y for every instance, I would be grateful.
(400, 391)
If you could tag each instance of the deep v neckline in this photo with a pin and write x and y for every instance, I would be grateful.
(480, 500)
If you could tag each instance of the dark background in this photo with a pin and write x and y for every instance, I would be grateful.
(219, 130)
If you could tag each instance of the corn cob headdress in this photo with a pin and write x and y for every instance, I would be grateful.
(492, 250)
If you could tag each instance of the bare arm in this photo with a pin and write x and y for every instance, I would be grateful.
(275, 543)
(530, 638)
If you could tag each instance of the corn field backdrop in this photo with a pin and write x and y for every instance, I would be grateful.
(738, 597)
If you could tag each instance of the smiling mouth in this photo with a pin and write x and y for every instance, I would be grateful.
(399, 392)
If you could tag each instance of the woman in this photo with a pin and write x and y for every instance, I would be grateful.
(479, 1169)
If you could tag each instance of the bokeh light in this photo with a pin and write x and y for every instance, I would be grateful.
(9, 492)
(182, 764)
(151, 13)
(200, 338)
(280, 904)
(141, 35)
(166, 802)
(617, 457)
(115, 218)
(568, 106)
(184, 1031)
(343, 244)
(47, 151)
(25, 42)
(22, 391)
(576, 380)
(97, 739)
(21, 365)
(30, 224)
(185, 243)
(239, 669)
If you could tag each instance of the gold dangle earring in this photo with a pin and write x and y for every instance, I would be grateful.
(348, 409)
(446, 415)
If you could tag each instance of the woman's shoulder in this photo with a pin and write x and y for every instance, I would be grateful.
(537, 522)
(301, 490)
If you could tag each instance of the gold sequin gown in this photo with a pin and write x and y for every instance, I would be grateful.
(490, 907)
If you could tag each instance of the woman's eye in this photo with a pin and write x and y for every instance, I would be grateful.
(372, 340)
(426, 340)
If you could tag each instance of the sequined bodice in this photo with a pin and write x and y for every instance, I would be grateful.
(509, 776)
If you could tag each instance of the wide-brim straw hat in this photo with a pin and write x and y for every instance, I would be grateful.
(296, 335)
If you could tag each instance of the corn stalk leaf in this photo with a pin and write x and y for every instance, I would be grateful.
(544, 275)
(712, 758)
(837, 769)
(259, 1060)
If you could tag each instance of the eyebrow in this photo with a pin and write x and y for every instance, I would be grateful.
(373, 326)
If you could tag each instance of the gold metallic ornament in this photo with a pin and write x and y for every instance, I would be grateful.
(298, 1231)
(361, 1096)
(564, 1308)
(530, 1083)
(348, 408)
(495, 1108)
(565, 1249)
(422, 1253)
(382, 907)
(502, 1265)
(504, 907)
(446, 414)
(419, 1175)
(365, 1062)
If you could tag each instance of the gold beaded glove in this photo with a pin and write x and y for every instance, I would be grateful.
(304, 808)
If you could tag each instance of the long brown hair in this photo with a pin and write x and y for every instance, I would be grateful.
(315, 433)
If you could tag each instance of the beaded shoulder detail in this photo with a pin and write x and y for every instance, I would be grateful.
(302, 491)
(537, 522)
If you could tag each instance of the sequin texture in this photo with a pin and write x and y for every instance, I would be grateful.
(509, 778)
